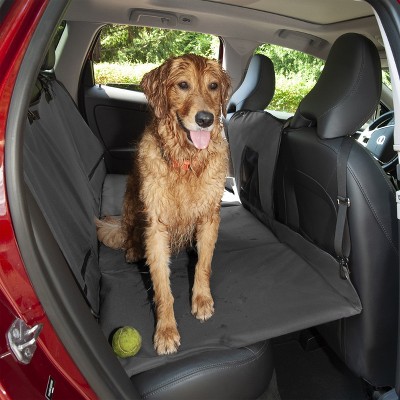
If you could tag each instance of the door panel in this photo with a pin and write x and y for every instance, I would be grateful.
(117, 117)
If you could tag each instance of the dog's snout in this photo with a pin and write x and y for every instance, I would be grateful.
(204, 119)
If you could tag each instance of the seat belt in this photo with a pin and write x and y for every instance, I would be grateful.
(343, 204)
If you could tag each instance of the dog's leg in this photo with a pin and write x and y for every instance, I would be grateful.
(202, 301)
(166, 337)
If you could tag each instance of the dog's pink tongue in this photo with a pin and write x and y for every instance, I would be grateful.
(200, 139)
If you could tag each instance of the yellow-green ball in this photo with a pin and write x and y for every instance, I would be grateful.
(126, 342)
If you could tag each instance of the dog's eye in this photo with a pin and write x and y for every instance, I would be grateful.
(183, 85)
(213, 86)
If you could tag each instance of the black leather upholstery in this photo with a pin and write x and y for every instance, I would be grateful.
(305, 199)
(224, 374)
(258, 87)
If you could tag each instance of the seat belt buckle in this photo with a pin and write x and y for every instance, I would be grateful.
(344, 269)
(345, 201)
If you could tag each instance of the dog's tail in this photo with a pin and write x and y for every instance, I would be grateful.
(110, 232)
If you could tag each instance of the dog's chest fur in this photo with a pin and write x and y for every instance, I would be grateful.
(177, 196)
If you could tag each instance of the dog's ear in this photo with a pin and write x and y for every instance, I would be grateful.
(154, 85)
(225, 82)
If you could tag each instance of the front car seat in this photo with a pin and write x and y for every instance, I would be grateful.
(306, 199)
(257, 89)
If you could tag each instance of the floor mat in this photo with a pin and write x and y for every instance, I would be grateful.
(314, 375)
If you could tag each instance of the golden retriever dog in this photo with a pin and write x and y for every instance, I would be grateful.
(174, 191)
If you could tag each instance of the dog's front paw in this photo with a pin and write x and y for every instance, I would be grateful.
(202, 307)
(166, 340)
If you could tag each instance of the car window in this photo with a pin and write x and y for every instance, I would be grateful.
(386, 78)
(59, 33)
(124, 53)
(296, 74)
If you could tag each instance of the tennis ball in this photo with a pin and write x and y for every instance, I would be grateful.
(126, 342)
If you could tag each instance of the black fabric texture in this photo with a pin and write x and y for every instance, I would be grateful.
(261, 289)
(113, 194)
(59, 181)
(249, 188)
(254, 139)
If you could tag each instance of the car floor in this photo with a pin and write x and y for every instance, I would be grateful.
(306, 370)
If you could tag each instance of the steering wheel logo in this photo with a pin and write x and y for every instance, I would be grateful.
(381, 140)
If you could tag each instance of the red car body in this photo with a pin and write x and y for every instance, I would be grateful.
(51, 373)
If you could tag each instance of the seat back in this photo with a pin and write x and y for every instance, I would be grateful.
(64, 170)
(254, 136)
(306, 191)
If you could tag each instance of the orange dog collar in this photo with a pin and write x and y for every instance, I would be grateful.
(185, 165)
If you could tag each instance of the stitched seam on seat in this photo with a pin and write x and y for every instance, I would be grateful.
(382, 172)
(380, 223)
(221, 366)
(332, 203)
(391, 188)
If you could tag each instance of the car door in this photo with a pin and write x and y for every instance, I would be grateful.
(117, 116)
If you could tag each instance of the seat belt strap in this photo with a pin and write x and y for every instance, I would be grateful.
(343, 205)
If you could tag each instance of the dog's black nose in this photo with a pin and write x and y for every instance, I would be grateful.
(204, 119)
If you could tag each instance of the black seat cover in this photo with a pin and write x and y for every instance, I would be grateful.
(253, 94)
(244, 372)
(343, 99)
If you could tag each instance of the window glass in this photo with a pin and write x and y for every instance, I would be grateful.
(386, 78)
(59, 32)
(296, 74)
(125, 53)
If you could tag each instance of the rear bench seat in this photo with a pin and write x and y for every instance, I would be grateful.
(65, 171)
(267, 279)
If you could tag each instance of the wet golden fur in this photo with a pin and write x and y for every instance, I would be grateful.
(174, 191)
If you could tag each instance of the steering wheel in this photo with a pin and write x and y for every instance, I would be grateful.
(380, 141)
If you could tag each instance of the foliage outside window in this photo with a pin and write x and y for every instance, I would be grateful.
(126, 53)
(296, 74)
(386, 78)
(59, 32)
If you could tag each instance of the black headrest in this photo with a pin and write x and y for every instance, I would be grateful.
(50, 59)
(257, 88)
(347, 91)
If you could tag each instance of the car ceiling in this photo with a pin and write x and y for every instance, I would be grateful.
(307, 25)
(317, 12)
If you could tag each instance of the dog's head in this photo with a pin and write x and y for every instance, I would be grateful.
(192, 92)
